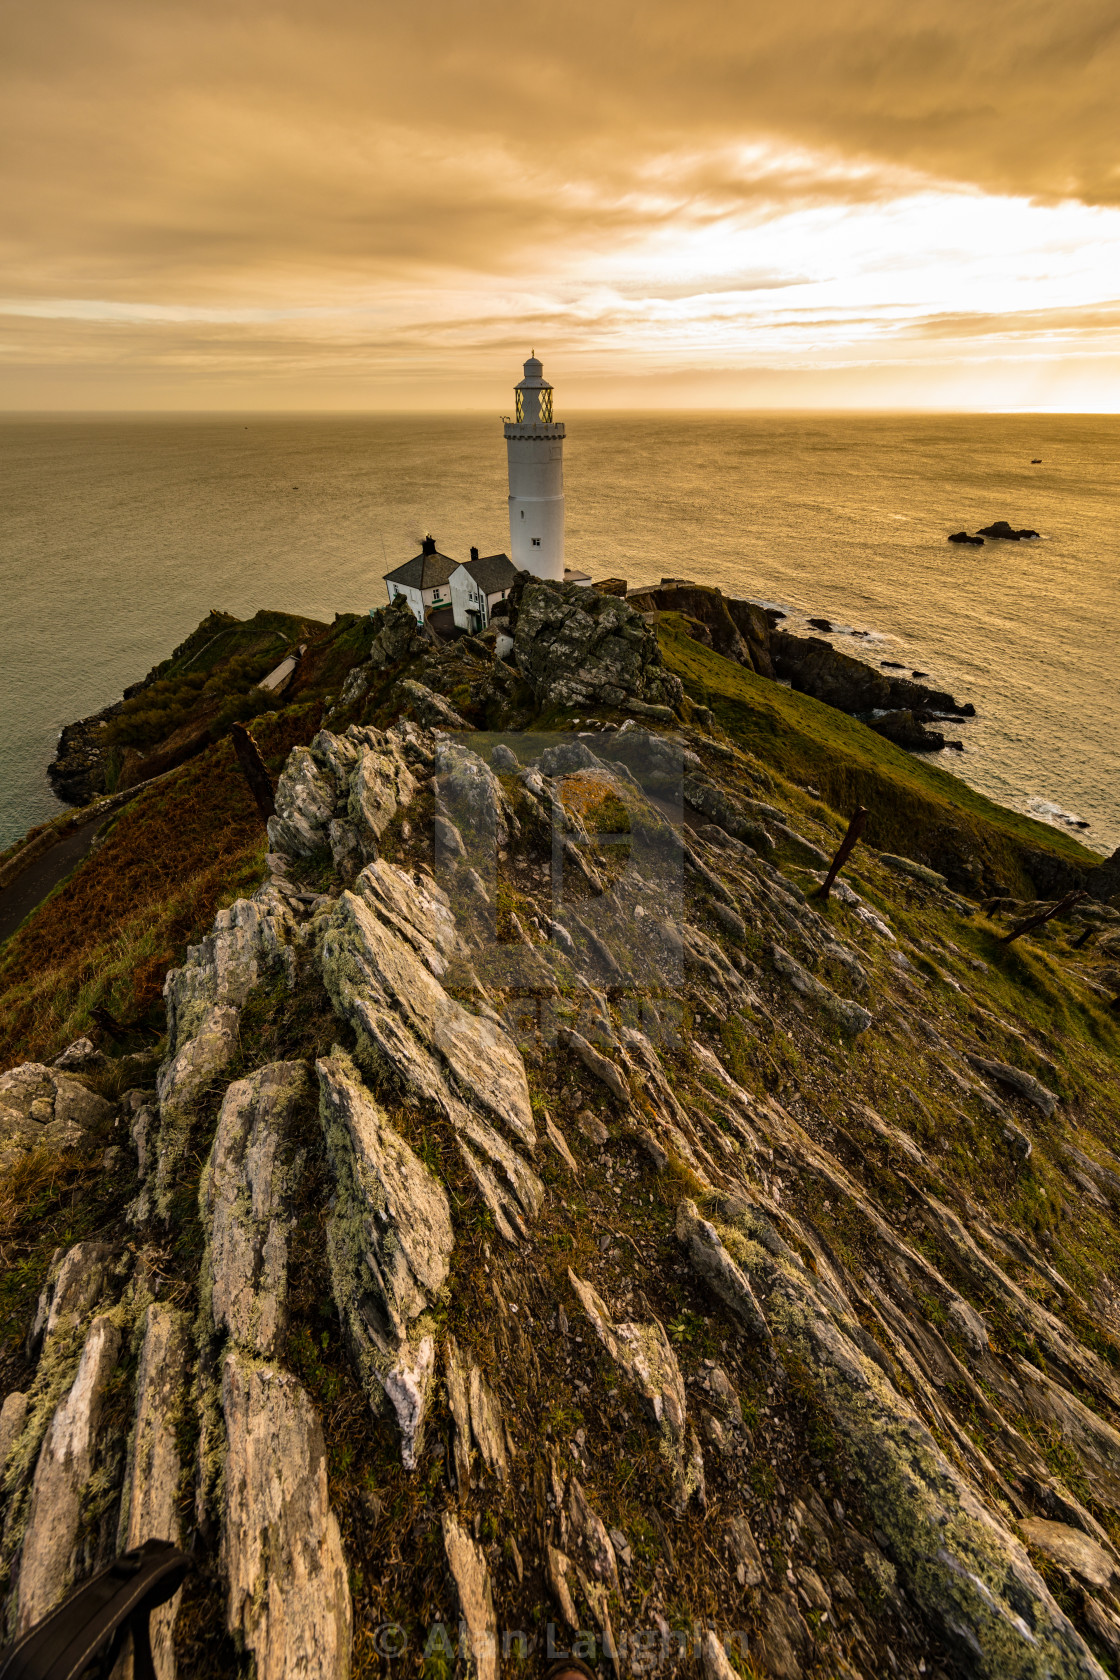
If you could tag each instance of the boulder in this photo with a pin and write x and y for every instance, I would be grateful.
(916, 871)
(397, 636)
(578, 648)
(248, 938)
(1073, 1550)
(955, 1557)
(42, 1108)
(380, 984)
(852, 1017)
(428, 707)
(643, 1354)
(183, 1082)
(467, 1563)
(80, 1057)
(73, 1288)
(1015, 1079)
(711, 1260)
(963, 537)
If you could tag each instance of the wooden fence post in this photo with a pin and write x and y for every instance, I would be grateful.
(255, 770)
(1066, 903)
(847, 845)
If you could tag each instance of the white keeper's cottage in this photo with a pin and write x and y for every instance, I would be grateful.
(478, 585)
(424, 581)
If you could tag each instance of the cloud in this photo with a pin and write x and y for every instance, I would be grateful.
(383, 181)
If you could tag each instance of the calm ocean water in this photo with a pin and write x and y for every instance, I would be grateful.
(117, 536)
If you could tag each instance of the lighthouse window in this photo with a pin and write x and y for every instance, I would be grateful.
(536, 542)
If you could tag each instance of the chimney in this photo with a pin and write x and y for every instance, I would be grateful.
(428, 545)
(474, 553)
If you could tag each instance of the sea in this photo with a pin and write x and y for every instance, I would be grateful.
(117, 535)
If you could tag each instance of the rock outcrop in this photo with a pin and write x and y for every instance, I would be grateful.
(578, 648)
(289, 1596)
(788, 1341)
(813, 666)
(736, 628)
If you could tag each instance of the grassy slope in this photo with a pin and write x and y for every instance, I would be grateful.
(108, 934)
(916, 808)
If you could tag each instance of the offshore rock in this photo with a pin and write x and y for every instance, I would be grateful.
(245, 1200)
(150, 1507)
(389, 1240)
(289, 1594)
(903, 728)
(1000, 529)
(42, 1108)
(575, 647)
(51, 1560)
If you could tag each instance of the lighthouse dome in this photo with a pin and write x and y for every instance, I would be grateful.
(534, 367)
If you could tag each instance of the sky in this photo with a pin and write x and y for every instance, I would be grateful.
(357, 204)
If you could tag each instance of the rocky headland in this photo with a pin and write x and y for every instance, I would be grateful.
(498, 1207)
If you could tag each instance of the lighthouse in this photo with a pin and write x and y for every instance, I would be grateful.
(535, 448)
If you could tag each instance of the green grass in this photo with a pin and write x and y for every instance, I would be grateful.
(916, 808)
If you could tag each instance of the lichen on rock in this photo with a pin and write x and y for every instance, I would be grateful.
(389, 1239)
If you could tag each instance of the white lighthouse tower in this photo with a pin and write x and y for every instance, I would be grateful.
(535, 446)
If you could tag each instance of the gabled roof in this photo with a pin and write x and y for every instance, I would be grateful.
(493, 573)
(423, 571)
